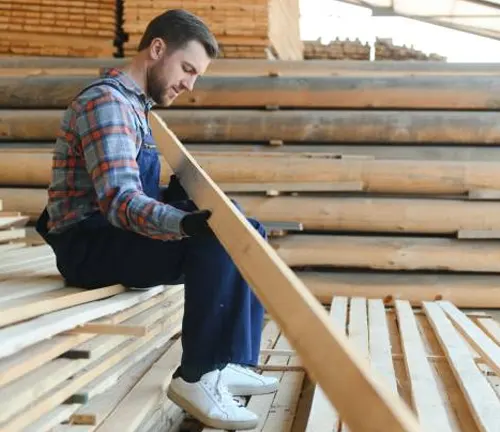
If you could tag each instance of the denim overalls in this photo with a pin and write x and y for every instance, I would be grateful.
(222, 320)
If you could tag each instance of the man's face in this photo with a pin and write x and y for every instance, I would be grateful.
(174, 72)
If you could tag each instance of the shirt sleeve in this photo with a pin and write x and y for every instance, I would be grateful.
(106, 128)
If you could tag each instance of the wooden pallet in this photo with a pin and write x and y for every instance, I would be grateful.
(445, 364)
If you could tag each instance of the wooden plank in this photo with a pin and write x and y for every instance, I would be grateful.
(149, 392)
(489, 350)
(344, 214)
(427, 400)
(35, 386)
(380, 344)
(13, 367)
(390, 286)
(425, 92)
(369, 127)
(322, 415)
(250, 252)
(20, 336)
(66, 389)
(491, 327)
(17, 310)
(258, 67)
(482, 399)
(388, 252)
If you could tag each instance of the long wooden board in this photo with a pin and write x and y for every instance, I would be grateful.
(472, 291)
(255, 171)
(256, 67)
(435, 92)
(320, 126)
(348, 387)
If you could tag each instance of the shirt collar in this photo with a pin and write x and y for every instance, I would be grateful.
(126, 81)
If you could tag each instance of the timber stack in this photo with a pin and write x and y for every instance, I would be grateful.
(383, 176)
(64, 28)
(380, 190)
(260, 29)
(336, 50)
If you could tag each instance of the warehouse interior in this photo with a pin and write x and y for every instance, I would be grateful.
(370, 153)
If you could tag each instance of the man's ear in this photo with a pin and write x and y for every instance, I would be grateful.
(157, 48)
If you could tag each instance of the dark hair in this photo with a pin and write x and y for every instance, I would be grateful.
(177, 28)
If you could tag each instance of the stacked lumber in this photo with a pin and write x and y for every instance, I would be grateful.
(75, 356)
(65, 28)
(337, 50)
(12, 226)
(443, 363)
(386, 50)
(381, 178)
(257, 29)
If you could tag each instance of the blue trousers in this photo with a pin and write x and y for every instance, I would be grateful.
(222, 320)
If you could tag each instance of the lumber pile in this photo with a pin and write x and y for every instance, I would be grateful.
(77, 356)
(58, 28)
(443, 363)
(259, 29)
(386, 50)
(337, 50)
(378, 179)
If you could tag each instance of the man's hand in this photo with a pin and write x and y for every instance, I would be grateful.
(196, 223)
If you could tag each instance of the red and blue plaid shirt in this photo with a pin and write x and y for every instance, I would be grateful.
(94, 164)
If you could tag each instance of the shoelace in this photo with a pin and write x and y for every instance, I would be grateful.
(224, 397)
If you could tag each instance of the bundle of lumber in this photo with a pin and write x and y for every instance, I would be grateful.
(443, 363)
(386, 50)
(257, 29)
(65, 28)
(381, 177)
(84, 357)
(12, 226)
(337, 50)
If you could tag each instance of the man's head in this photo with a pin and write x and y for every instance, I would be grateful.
(178, 47)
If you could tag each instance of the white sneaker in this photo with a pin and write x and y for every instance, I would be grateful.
(242, 381)
(209, 401)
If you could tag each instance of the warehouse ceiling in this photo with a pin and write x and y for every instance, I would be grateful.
(481, 17)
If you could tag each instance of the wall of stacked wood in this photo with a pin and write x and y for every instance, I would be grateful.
(258, 29)
(391, 168)
(91, 28)
(383, 49)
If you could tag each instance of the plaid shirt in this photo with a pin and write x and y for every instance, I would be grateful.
(94, 165)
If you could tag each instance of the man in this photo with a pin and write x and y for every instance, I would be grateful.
(109, 221)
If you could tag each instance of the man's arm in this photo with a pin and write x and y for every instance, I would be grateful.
(106, 128)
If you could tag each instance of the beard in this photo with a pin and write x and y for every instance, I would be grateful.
(156, 85)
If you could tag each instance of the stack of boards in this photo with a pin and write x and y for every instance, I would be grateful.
(90, 358)
(68, 28)
(258, 29)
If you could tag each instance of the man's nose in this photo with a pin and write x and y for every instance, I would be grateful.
(188, 83)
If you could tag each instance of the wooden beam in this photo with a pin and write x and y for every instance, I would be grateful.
(258, 67)
(406, 92)
(480, 396)
(479, 340)
(337, 126)
(392, 215)
(288, 172)
(388, 253)
(468, 291)
(346, 385)
(347, 214)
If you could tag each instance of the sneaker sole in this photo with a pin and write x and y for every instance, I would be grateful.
(213, 423)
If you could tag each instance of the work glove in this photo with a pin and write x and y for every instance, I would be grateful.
(196, 223)
(174, 191)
